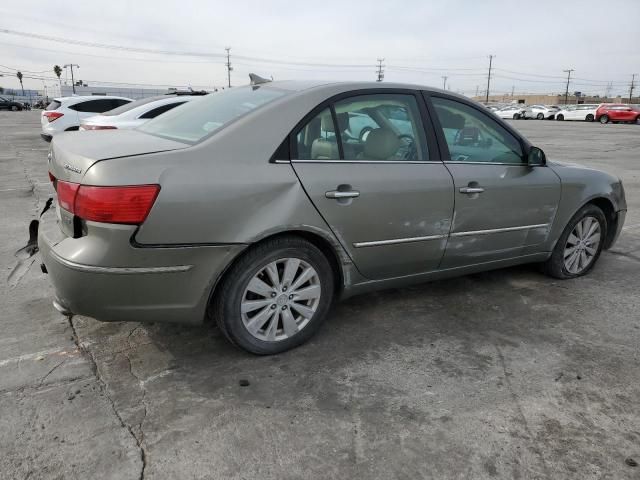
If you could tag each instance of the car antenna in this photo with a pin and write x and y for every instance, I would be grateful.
(256, 79)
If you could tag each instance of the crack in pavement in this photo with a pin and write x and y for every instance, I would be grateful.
(103, 386)
(50, 372)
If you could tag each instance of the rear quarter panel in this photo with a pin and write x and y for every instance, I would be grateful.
(224, 190)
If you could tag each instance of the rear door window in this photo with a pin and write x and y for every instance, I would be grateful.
(381, 127)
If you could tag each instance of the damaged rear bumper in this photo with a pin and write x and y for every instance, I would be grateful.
(102, 275)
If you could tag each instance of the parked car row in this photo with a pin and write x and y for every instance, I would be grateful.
(603, 113)
(106, 112)
(259, 206)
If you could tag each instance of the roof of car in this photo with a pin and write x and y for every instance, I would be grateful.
(334, 87)
(82, 98)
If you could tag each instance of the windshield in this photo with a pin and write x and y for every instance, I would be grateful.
(196, 120)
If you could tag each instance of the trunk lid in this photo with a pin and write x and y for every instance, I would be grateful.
(73, 153)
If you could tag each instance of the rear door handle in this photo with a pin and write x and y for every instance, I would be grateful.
(471, 190)
(337, 194)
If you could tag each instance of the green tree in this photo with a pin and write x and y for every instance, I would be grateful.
(58, 71)
(19, 75)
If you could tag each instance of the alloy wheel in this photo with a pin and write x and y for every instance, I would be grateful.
(582, 245)
(280, 299)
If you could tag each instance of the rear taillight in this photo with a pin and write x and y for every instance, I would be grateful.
(99, 127)
(52, 116)
(127, 204)
(67, 194)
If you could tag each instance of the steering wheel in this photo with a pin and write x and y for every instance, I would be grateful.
(409, 147)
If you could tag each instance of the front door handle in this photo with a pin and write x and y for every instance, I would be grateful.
(471, 190)
(338, 194)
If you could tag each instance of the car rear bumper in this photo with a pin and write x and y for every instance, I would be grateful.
(103, 276)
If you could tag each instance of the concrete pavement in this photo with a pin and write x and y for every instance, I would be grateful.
(506, 374)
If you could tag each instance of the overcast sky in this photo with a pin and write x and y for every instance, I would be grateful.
(421, 41)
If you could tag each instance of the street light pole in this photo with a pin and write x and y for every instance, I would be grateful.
(73, 83)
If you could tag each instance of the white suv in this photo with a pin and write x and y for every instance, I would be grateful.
(64, 114)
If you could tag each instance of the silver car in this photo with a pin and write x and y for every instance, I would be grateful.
(253, 207)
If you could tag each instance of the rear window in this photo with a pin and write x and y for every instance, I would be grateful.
(196, 120)
(98, 106)
(53, 105)
(153, 113)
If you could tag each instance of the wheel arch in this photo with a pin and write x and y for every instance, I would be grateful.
(338, 260)
(607, 207)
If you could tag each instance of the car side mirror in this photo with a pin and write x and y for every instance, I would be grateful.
(536, 157)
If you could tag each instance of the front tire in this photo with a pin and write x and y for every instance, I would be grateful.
(604, 119)
(560, 117)
(540, 116)
(579, 247)
(589, 118)
(275, 297)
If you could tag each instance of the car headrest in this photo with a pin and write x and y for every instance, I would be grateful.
(381, 144)
(322, 149)
(326, 122)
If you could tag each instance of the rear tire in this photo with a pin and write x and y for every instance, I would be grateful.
(589, 118)
(540, 116)
(572, 242)
(262, 307)
(604, 119)
(560, 117)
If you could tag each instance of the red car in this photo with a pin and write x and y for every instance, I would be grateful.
(618, 112)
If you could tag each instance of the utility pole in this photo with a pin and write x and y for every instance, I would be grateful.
(489, 77)
(566, 92)
(229, 67)
(477, 88)
(380, 71)
(513, 87)
(608, 90)
(73, 83)
(633, 86)
(444, 82)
